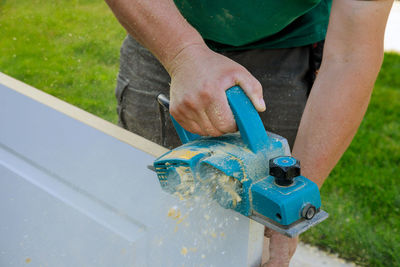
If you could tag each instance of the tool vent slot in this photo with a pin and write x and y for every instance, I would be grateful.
(163, 169)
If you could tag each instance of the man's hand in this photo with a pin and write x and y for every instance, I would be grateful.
(278, 249)
(199, 78)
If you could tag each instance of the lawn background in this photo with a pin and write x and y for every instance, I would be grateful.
(70, 49)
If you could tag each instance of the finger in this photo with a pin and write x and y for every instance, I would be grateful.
(190, 126)
(206, 124)
(281, 249)
(217, 115)
(220, 114)
(193, 127)
(191, 115)
(253, 89)
(278, 252)
(187, 120)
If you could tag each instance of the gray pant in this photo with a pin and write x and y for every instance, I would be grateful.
(286, 76)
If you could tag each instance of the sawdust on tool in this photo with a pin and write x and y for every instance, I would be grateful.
(197, 196)
(230, 186)
(187, 185)
(197, 200)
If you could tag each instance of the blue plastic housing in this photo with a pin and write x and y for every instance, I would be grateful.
(244, 156)
(284, 204)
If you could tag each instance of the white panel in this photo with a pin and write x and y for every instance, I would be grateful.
(71, 195)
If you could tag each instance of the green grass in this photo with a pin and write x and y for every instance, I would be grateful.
(70, 49)
(362, 194)
(66, 48)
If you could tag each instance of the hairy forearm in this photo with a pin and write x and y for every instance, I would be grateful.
(157, 25)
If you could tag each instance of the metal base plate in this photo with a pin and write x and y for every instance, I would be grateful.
(294, 229)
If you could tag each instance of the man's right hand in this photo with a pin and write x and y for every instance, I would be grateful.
(199, 78)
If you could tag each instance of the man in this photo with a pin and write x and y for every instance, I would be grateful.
(277, 43)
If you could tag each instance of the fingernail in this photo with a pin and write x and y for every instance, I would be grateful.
(262, 104)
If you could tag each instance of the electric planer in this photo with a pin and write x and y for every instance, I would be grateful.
(250, 171)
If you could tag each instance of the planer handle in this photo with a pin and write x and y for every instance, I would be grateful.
(246, 116)
(247, 119)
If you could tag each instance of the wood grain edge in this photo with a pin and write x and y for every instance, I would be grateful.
(83, 116)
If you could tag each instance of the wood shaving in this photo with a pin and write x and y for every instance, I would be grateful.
(184, 251)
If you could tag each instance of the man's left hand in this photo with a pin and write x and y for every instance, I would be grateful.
(280, 249)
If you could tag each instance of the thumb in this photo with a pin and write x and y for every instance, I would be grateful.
(253, 89)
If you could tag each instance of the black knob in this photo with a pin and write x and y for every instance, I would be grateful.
(284, 169)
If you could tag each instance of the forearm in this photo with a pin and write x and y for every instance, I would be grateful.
(339, 98)
(331, 118)
(157, 25)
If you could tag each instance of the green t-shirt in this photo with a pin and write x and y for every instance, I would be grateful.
(236, 25)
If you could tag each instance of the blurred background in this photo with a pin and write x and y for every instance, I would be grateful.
(70, 49)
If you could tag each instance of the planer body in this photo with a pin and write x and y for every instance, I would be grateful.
(250, 171)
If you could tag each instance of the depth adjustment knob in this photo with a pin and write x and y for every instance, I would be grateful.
(284, 169)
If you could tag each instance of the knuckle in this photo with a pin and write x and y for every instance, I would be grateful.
(207, 84)
(234, 78)
(236, 71)
(188, 102)
(205, 94)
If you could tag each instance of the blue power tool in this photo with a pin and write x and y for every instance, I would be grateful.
(250, 171)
